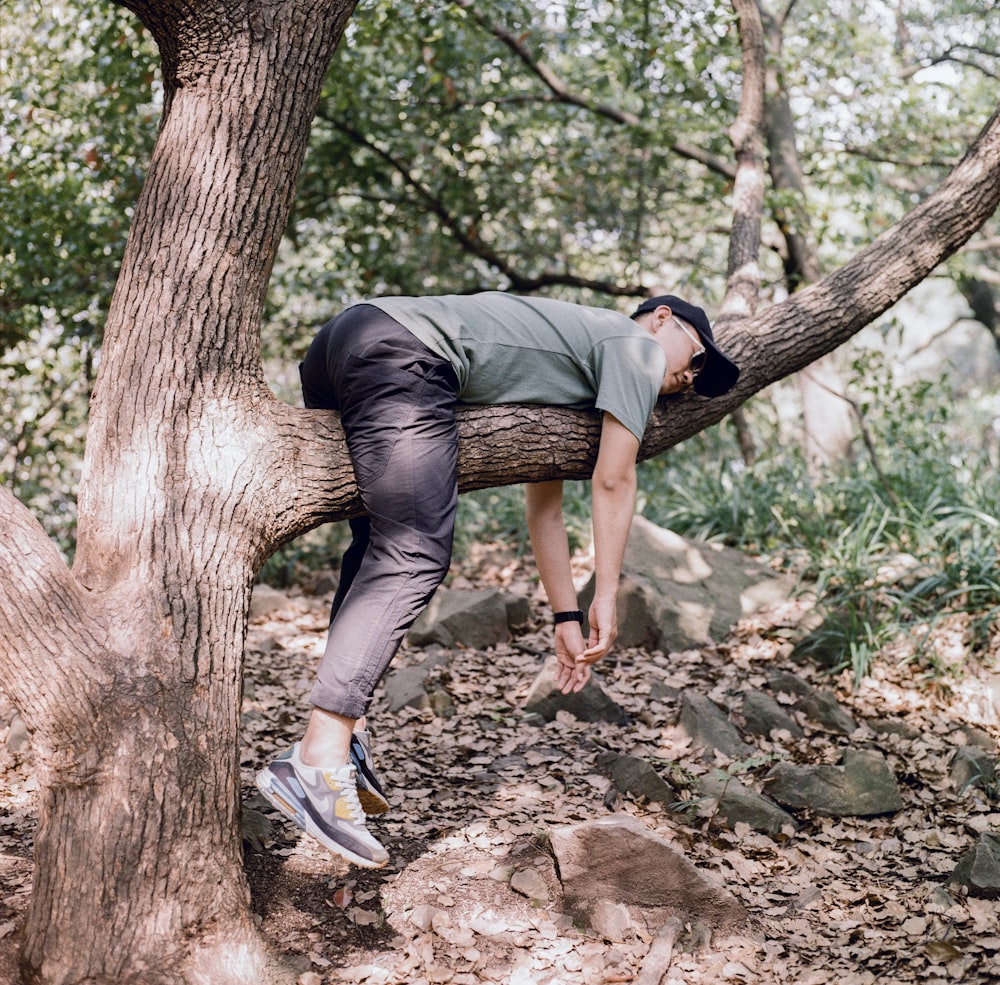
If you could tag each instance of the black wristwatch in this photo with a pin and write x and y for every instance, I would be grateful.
(574, 615)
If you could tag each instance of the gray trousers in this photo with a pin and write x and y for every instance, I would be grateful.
(397, 403)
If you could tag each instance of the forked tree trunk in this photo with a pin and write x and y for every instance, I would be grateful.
(127, 670)
(138, 855)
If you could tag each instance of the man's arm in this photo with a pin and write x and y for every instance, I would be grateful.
(543, 502)
(613, 500)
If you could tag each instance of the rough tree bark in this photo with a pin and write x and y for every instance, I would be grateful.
(127, 669)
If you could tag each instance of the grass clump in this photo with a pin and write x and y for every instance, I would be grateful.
(893, 543)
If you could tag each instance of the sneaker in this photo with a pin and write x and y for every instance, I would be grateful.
(370, 791)
(324, 803)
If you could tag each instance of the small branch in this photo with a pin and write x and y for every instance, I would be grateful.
(475, 245)
(564, 94)
(657, 961)
(950, 55)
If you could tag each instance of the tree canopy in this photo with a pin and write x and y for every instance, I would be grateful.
(581, 150)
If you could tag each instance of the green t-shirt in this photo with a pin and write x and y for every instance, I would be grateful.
(508, 349)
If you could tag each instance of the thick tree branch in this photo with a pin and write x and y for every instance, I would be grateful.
(50, 629)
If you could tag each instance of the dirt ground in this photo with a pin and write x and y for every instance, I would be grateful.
(475, 790)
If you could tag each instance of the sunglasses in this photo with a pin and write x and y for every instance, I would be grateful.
(699, 357)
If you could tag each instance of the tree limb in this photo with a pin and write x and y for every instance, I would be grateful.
(49, 628)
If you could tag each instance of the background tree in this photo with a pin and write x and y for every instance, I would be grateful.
(127, 667)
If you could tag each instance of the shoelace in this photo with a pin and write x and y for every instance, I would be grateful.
(349, 791)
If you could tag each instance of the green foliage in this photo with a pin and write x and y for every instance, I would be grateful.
(77, 118)
(317, 551)
(892, 544)
(440, 161)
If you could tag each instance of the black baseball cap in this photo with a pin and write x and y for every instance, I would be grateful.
(720, 373)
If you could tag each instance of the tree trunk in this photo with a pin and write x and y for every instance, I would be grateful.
(827, 425)
(127, 670)
(136, 722)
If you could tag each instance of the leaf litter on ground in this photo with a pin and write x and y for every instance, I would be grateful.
(476, 787)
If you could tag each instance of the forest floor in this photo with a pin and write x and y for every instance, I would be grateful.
(474, 791)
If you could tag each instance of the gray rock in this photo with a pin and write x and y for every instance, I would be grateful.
(620, 860)
(637, 778)
(862, 786)
(894, 726)
(979, 738)
(477, 618)
(972, 767)
(708, 726)
(764, 715)
(822, 707)
(518, 610)
(676, 593)
(979, 868)
(256, 828)
(408, 687)
(738, 803)
(785, 683)
(529, 882)
(612, 921)
(590, 704)
(266, 600)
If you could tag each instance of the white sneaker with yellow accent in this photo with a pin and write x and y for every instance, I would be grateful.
(323, 803)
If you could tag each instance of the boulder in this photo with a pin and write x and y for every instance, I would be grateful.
(708, 726)
(619, 860)
(590, 704)
(266, 600)
(637, 778)
(823, 708)
(676, 594)
(820, 706)
(784, 682)
(862, 786)
(764, 715)
(737, 803)
(972, 767)
(979, 868)
(410, 687)
(477, 618)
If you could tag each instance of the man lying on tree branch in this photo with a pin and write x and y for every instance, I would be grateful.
(395, 369)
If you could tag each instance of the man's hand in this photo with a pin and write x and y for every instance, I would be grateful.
(572, 671)
(603, 619)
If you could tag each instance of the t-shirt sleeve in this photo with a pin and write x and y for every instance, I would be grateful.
(629, 372)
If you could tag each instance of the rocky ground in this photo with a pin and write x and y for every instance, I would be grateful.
(472, 893)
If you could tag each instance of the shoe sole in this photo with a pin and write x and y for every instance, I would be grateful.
(273, 794)
(371, 802)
